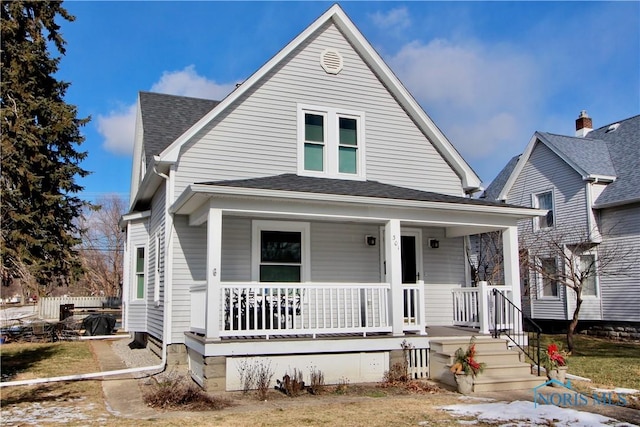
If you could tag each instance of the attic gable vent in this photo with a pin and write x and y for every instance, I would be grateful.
(613, 127)
(331, 61)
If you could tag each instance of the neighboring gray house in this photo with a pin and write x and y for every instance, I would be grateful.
(588, 182)
(316, 216)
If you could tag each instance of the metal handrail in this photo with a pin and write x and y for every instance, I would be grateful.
(507, 313)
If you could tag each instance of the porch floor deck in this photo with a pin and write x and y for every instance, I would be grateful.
(431, 333)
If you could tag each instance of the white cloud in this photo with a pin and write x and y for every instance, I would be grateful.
(396, 18)
(484, 97)
(188, 82)
(118, 126)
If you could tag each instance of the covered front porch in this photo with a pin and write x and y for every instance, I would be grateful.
(296, 264)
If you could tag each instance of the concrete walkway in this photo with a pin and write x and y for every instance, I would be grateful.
(122, 393)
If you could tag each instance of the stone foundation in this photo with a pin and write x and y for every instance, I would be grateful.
(623, 331)
(215, 373)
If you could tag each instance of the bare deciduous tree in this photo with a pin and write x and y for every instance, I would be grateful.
(571, 259)
(486, 257)
(102, 247)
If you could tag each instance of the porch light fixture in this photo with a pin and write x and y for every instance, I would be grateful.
(370, 240)
(434, 243)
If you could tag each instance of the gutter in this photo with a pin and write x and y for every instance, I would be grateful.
(77, 377)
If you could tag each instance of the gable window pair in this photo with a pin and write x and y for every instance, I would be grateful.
(331, 142)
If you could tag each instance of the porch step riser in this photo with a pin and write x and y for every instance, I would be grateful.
(503, 358)
(504, 369)
(512, 384)
(451, 347)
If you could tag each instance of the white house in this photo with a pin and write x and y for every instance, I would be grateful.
(589, 185)
(316, 216)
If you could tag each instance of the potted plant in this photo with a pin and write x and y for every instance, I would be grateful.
(466, 367)
(555, 363)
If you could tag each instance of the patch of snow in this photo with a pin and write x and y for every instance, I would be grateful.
(468, 422)
(477, 399)
(38, 413)
(527, 414)
(618, 390)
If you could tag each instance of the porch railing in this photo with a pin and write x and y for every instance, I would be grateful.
(474, 307)
(524, 332)
(264, 309)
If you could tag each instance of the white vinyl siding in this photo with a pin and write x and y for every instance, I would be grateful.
(136, 308)
(545, 172)
(189, 268)
(620, 282)
(258, 135)
(155, 281)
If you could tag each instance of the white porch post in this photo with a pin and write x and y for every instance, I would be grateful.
(394, 274)
(512, 265)
(214, 260)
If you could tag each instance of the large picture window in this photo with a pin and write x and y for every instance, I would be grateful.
(331, 142)
(280, 256)
(280, 251)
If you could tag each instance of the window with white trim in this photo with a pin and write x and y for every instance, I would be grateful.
(140, 270)
(587, 268)
(544, 201)
(280, 251)
(331, 142)
(547, 278)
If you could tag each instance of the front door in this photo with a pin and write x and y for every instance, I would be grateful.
(410, 252)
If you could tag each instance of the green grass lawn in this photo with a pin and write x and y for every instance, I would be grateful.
(607, 363)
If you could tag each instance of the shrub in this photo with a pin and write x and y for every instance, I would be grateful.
(317, 381)
(174, 391)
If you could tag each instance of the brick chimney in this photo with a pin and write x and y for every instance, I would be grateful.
(584, 125)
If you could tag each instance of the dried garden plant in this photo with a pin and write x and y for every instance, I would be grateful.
(173, 391)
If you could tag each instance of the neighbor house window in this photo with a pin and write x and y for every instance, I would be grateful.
(280, 251)
(587, 265)
(547, 277)
(140, 272)
(544, 201)
(331, 142)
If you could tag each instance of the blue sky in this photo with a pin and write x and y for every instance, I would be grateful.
(488, 73)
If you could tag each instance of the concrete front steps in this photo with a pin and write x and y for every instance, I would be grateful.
(504, 369)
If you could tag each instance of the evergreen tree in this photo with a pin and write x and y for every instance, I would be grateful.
(40, 160)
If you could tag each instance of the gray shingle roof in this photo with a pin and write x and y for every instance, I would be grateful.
(292, 182)
(493, 190)
(624, 149)
(601, 152)
(591, 155)
(166, 117)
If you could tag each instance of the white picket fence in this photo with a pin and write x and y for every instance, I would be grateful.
(49, 307)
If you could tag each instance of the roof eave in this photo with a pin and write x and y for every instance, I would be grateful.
(227, 191)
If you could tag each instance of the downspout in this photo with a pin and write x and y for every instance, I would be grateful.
(76, 377)
(166, 331)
